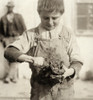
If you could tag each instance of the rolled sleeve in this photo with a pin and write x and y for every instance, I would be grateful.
(73, 50)
(23, 43)
(74, 54)
(21, 46)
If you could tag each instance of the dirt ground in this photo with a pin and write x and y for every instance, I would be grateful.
(15, 91)
(21, 90)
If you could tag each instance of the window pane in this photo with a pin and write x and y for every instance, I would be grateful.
(82, 9)
(85, 16)
(82, 23)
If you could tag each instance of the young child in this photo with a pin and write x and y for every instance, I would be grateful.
(51, 45)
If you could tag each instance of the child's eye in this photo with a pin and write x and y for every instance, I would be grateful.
(46, 18)
(54, 18)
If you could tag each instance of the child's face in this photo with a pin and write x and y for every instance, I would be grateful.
(50, 20)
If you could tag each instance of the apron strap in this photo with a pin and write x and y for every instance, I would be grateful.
(65, 36)
(32, 50)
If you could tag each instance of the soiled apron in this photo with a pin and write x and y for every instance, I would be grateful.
(63, 91)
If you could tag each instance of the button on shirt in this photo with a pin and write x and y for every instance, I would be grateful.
(50, 34)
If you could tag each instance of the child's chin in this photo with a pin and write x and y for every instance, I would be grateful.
(50, 28)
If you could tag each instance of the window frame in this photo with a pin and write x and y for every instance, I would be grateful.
(82, 32)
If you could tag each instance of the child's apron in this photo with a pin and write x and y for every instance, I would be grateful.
(58, 91)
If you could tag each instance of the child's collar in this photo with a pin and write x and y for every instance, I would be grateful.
(57, 30)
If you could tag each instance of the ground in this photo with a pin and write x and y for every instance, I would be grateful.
(21, 90)
(15, 91)
(83, 90)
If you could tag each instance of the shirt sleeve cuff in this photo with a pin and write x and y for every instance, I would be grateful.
(76, 65)
(72, 76)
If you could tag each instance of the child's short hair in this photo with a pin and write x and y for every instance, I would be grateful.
(51, 5)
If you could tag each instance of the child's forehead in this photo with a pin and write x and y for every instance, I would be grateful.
(47, 13)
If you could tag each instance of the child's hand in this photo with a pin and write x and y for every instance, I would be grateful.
(38, 61)
(68, 72)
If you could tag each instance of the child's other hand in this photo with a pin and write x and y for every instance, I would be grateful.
(68, 72)
(38, 61)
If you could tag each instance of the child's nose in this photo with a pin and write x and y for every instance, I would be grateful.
(51, 21)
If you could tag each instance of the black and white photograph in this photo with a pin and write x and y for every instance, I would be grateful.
(46, 50)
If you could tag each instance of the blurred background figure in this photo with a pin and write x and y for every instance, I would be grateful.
(11, 26)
